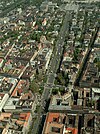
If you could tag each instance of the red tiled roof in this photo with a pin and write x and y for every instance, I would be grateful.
(8, 62)
(18, 87)
(5, 115)
(25, 116)
(25, 96)
(51, 116)
(1, 60)
(2, 95)
(74, 130)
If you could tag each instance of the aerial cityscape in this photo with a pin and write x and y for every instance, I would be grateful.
(49, 66)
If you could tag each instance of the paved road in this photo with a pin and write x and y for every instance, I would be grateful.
(55, 61)
(73, 111)
(84, 63)
(54, 64)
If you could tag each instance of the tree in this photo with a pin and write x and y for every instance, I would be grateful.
(62, 90)
(54, 91)
(98, 65)
(61, 79)
(34, 87)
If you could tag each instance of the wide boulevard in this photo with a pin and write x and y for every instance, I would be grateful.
(54, 64)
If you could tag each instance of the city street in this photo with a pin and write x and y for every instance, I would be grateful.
(54, 64)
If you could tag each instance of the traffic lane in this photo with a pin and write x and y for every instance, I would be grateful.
(63, 30)
(51, 79)
(54, 65)
(47, 89)
(55, 60)
(37, 121)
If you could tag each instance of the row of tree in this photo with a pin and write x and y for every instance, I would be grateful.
(62, 78)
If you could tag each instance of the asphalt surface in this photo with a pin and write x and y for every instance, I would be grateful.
(77, 111)
(54, 64)
(55, 61)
